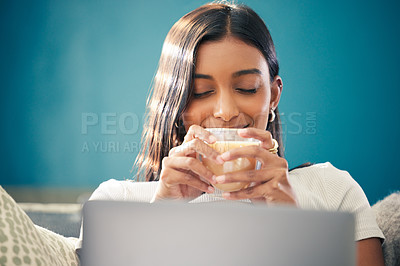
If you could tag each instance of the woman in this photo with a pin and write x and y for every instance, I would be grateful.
(218, 68)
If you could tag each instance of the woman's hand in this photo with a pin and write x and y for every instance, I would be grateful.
(183, 176)
(269, 183)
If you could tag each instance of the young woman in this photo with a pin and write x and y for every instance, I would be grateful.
(218, 68)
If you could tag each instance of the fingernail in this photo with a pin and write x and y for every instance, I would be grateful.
(214, 179)
(212, 138)
(242, 130)
(226, 194)
(219, 159)
(225, 156)
(210, 189)
(220, 179)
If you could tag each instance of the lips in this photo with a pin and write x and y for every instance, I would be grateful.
(230, 126)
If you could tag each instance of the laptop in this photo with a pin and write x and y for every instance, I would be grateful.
(132, 233)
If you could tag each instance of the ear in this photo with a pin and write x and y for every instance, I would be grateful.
(276, 91)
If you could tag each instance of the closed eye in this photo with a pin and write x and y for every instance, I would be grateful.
(246, 91)
(202, 95)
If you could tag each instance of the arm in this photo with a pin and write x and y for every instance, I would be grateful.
(369, 252)
(345, 194)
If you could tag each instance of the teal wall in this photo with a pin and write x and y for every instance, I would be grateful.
(75, 76)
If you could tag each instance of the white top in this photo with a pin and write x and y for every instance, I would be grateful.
(319, 187)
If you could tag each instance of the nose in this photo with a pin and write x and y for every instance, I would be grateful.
(225, 107)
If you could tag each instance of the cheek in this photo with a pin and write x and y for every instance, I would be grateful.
(258, 109)
(195, 113)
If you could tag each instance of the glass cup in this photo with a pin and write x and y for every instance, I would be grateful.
(228, 139)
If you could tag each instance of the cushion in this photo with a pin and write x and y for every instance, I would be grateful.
(24, 243)
(388, 218)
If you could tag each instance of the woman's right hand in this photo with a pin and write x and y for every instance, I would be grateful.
(183, 176)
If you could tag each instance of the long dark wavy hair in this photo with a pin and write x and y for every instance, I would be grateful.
(172, 86)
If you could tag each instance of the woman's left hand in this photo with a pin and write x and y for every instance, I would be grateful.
(269, 183)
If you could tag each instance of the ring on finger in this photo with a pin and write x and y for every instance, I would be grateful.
(274, 149)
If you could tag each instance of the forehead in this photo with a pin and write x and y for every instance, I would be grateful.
(227, 56)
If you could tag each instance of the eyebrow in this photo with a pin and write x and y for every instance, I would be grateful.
(246, 72)
(235, 75)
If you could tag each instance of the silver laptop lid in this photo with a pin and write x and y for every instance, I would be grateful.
(131, 233)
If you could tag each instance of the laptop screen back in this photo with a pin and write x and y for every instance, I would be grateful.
(130, 233)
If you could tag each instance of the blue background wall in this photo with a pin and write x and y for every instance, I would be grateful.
(75, 76)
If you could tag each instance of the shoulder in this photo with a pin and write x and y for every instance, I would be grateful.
(323, 186)
(323, 173)
(327, 184)
(124, 190)
(318, 169)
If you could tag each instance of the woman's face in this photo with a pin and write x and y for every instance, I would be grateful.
(231, 87)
